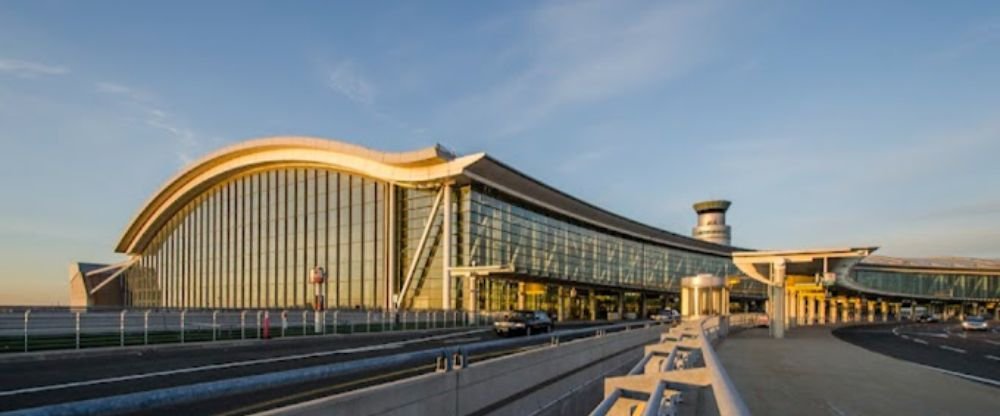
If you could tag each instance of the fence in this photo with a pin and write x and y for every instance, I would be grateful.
(24, 330)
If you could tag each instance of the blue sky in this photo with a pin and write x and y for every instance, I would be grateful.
(827, 123)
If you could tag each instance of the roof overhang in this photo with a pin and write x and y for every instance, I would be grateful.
(807, 263)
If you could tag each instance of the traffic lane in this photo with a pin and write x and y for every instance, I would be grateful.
(253, 402)
(181, 376)
(982, 344)
(28, 373)
(881, 339)
(57, 392)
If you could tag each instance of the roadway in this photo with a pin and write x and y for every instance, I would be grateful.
(942, 345)
(47, 379)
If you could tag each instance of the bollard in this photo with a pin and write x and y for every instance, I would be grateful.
(368, 321)
(403, 322)
(454, 319)
(183, 314)
(215, 321)
(335, 323)
(78, 330)
(121, 328)
(305, 314)
(434, 316)
(27, 313)
(145, 327)
(267, 325)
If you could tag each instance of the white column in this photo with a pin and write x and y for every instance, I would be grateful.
(811, 311)
(822, 310)
(885, 311)
(446, 251)
(844, 316)
(833, 311)
(521, 294)
(778, 299)
(391, 248)
(800, 301)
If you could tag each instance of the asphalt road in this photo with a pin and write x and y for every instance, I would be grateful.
(32, 383)
(941, 345)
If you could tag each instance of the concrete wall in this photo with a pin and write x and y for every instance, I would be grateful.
(545, 380)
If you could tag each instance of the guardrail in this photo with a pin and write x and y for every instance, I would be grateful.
(46, 329)
(682, 363)
(448, 359)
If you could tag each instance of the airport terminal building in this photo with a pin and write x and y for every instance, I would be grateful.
(249, 227)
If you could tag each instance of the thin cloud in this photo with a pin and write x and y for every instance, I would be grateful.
(346, 79)
(146, 103)
(582, 53)
(28, 69)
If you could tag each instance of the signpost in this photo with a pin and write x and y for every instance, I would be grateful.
(317, 277)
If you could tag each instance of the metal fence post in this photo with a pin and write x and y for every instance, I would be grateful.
(284, 322)
(368, 321)
(324, 322)
(215, 326)
(305, 316)
(78, 330)
(27, 313)
(335, 315)
(258, 324)
(183, 314)
(145, 327)
(243, 324)
(121, 328)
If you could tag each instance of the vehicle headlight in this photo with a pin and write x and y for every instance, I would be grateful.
(518, 325)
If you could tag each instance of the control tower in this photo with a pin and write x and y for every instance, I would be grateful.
(712, 222)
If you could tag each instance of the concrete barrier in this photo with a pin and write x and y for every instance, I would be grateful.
(525, 383)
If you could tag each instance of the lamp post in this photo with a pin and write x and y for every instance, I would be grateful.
(317, 277)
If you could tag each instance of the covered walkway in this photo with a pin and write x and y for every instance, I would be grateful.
(812, 372)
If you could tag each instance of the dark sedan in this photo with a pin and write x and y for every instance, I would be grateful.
(523, 322)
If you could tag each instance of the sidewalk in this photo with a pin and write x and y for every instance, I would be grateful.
(811, 372)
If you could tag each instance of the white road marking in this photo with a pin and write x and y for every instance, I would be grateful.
(992, 341)
(995, 383)
(952, 349)
(919, 341)
(835, 409)
(932, 334)
(904, 336)
(992, 357)
(228, 365)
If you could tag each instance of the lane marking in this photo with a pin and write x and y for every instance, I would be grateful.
(992, 341)
(992, 357)
(953, 349)
(919, 341)
(904, 336)
(984, 380)
(227, 365)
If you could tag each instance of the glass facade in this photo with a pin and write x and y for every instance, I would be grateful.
(503, 232)
(927, 284)
(250, 243)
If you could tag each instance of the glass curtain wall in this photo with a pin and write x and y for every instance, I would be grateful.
(250, 243)
(502, 232)
(938, 285)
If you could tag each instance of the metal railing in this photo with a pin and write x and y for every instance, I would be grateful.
(27, 329)
(687, 346)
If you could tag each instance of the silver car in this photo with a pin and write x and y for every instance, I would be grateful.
(975, 323)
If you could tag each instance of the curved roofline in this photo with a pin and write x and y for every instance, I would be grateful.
(417, 166)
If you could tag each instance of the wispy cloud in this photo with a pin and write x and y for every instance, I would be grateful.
(151, 114)
(347, 79)
(28, 69)
(585, 52)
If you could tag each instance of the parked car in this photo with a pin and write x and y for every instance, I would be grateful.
(927, 318)
(763, 321)
(523, 322)
(975, 323)
(667, 315)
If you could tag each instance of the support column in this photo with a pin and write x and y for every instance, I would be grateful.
(560, 311)
(685, 308)
(833, 311)
(821, 305)
(844, 313)
(592, 299)
(621, 305)
(857, 309)
(800, 302)
(642, 306)
(696, 305)
(446, 251)
(810, 311)
(885, 311)
(871, 311)
(778, 299)
(725, 301)
(521, 294)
